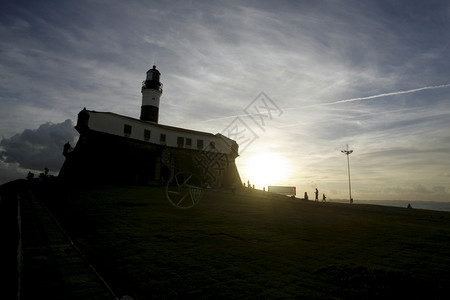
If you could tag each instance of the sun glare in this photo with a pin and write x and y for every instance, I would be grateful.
(267, 168)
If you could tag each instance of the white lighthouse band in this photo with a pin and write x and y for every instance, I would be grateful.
(151, 93)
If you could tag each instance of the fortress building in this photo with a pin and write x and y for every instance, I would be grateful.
(113, 148)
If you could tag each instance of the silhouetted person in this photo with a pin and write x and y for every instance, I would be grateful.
(46, 172)
(324, 198)
(306, 196)
(409, 205)
(317, 194)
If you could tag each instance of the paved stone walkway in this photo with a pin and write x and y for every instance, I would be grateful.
(52, 267)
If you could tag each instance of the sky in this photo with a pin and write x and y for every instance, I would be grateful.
(301, 80)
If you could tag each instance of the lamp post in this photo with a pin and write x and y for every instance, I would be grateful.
(348, 152)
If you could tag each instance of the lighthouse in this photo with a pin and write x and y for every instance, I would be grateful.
(118, 148)
(151, 92)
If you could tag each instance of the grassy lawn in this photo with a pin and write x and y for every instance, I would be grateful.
(249, 246)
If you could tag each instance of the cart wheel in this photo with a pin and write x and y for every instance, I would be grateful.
(184, 190)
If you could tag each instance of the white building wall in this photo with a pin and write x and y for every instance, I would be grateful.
(115, 124)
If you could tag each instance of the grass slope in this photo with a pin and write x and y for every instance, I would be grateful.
(249, 246)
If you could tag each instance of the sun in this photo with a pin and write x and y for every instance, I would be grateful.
(266, 168)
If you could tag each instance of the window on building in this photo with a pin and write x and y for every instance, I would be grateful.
(162, 138)
(199, 144)
(127, 130)
(180, 141)
(188, 142)
(147, 134)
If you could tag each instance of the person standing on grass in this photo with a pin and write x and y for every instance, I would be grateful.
(317, 194)
(324, 198)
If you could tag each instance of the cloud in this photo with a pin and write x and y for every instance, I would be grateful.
(10, 171)
(35, 149)
(389, 94)
(383, 63)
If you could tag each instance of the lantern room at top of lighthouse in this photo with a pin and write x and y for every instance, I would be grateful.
(152, 80)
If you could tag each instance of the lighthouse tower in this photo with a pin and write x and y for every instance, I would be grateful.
(151, 92)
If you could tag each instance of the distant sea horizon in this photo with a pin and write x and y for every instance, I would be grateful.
(430, 205)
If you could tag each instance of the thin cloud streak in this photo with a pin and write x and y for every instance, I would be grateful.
(388, 94)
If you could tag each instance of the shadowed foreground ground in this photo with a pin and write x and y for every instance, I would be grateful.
(248, 246)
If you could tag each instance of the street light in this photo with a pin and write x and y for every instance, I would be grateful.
(348, 152)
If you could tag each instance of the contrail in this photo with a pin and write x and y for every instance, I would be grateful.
(346, 100)
(389, 94)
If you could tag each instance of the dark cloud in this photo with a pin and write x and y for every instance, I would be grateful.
(36, 149)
